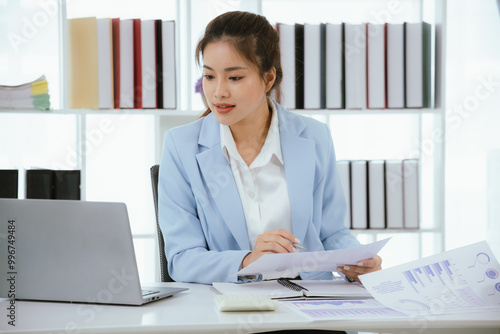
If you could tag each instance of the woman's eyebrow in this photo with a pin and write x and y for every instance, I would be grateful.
(229, 69)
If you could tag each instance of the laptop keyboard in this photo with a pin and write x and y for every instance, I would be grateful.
(148, 292)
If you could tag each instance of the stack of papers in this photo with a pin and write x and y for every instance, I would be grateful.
(29, 95)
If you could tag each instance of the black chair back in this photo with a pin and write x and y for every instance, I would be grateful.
(165, 277)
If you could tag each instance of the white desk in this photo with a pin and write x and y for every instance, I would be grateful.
(193, 311)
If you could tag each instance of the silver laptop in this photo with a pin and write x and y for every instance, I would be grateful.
(70, 251)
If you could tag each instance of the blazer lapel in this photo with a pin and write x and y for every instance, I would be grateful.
(219, 181)
(298, 157)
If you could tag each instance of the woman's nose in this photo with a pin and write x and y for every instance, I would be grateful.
(221, 89)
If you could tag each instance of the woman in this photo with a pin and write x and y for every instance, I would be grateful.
(249, 177)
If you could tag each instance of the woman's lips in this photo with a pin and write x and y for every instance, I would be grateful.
(224, 108)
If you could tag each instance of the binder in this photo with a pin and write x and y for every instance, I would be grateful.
(299, 66)
(137, 63)
(169, 66)
(286, 289)
(39, 184)
(67, 184)
(314, 65)
(9, 183)
(123, 63)
(287, 50)
(83, 83)
(126, 65)
(394, 193)
(355, 66)
(375, 50)
(359, 208)
(148, 57)
(376, 194)
(53, 184)
(159, 64)
(322, 66)
(334, 66)
(418, 64)
(411, 194)
(105, 63)
(344, 168)
(115, 26)
(395, 66)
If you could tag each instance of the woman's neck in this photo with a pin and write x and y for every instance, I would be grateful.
(251, 135)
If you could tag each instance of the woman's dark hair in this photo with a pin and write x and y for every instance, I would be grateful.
(252, 36)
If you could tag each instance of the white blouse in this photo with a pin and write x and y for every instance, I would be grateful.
(262, 185)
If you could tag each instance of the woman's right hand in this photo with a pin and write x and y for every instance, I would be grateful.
(274, 241)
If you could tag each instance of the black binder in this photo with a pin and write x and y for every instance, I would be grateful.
(53, 184)
(9, 183)
(67, 184)
(39, 184)
(299, 66)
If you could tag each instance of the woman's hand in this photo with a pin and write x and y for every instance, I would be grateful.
(362, 267)
(275, 241)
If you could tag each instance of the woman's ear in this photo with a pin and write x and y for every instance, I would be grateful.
(270, 77)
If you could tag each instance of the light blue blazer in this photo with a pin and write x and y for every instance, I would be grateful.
(200, 212)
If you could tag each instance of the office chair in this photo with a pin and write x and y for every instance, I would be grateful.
(165, 277)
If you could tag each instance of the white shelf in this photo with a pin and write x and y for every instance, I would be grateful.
(178, 112)
(389, 230)
(158, 112)
(331, 112)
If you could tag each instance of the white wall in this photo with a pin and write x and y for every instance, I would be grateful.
(472, 124)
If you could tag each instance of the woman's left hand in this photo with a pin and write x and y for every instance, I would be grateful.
(362, 267)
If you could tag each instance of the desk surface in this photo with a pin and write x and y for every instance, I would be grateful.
(193, 311)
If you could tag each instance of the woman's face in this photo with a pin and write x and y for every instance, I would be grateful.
(234, 90)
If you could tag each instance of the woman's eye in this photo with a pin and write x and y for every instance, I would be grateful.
(209, 77)
(235, 78)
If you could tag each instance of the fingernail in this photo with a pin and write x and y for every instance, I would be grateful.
(297, 241)
(295, 250)
(360, 264)
(347, 267)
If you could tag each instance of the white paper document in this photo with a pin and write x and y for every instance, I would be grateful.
(283, 263)
(461, 280)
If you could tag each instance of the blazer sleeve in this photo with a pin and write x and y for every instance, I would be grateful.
(188, 256)
(329, 194)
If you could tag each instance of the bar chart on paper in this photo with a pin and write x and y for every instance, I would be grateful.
(440, 276)
(440, 273)
(342, 309)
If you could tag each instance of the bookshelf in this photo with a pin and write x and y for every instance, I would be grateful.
(191, 16)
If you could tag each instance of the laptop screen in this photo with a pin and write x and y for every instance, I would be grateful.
(68, 251)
